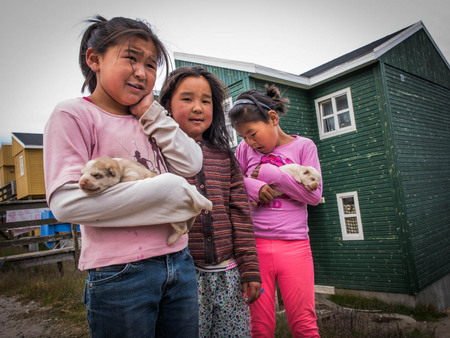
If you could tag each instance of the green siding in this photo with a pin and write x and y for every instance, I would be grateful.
(417, 55)
(228, 76)
(357, 161)
(298, 119)
(420, 116)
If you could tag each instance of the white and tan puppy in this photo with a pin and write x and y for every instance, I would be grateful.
(104, 172)
(308, 176)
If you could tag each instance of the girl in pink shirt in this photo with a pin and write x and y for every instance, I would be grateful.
(137, 285)
(281, 223)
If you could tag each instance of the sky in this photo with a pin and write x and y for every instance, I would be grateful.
(40, 39)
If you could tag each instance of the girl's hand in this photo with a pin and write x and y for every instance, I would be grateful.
(255, 172)
(252, 290)
(266, 193)
(142, 106)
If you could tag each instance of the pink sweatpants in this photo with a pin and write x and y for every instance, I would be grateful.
(291, 264)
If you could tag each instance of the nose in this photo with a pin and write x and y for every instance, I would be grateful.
(197, 107)
(251, 142)
(139, 72)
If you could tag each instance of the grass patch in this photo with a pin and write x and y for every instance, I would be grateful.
(426, 313)
(60, 294)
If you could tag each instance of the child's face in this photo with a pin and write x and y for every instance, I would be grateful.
(260, 136)
(192, 107)
(126, 73)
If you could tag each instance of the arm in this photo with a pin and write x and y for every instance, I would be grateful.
(162, 199)
(252, 186)
(243, 236)
(183, 155)
(287, 184)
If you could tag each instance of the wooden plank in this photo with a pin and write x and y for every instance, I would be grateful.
(25, 204)
(40, 257)
(35, 239)
(29, 223)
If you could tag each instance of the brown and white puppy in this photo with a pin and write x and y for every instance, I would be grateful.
(308, 176)
(104, 172)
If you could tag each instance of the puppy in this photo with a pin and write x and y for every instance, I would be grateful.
(104, 172)
(308, 176)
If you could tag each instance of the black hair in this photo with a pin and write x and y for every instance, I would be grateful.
(248, 112)
(217, 132)
(102, 34)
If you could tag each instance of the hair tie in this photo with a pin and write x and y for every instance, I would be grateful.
(246, 101)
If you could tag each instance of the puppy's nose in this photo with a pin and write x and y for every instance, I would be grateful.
(82, 184)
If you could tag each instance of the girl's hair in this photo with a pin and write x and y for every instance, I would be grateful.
(102, 34)
(217, 132)
(254, 105)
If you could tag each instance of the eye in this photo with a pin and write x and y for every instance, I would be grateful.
(206, 102)
(97, 176)
(151, 66)
(187, 99)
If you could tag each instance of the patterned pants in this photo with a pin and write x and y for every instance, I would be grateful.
(223, 311)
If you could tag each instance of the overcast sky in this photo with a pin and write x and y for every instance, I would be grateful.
(40, 39)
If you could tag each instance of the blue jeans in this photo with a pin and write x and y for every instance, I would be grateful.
(155, 297)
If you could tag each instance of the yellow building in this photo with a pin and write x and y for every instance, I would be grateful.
(6, 164)
(27, 152)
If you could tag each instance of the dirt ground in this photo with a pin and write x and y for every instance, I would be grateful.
(31, 320)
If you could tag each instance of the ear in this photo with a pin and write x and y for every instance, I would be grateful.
(93, 59)
(169, 108)
(111, 172)
(273, 117)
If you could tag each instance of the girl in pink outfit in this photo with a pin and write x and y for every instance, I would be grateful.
(280, 223)
(137, 285)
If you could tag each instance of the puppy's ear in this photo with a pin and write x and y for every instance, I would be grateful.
(111, 172)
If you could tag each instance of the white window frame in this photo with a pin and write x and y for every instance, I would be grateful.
(320, 120)
(343, 216)
(22, 170)
(227, 104)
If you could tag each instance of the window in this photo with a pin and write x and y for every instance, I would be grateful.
(335, 114)
(350, 216)
(22, 170)
(227, 104)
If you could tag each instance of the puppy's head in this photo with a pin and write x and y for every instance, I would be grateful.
(99, 174)
(310, 178)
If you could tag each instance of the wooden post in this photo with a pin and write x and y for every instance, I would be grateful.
(75, 244)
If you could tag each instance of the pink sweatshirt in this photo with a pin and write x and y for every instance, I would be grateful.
(129, 221)
(286, 216)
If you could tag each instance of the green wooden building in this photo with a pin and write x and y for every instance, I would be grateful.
(380, 117)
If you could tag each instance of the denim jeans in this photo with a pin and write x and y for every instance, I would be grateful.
(155, 297)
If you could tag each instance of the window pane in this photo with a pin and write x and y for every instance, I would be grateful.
(327, 108)
(349, 205)
(351, 224)
(341, 102)
(344, 120)
(328, 125)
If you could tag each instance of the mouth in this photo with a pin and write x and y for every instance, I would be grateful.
(196, 121)
(90, 191)
(137, 86)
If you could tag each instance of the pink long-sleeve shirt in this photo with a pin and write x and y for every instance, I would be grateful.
(286, 216)
(129, 221)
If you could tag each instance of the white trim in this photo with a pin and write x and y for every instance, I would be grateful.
(342, 216)
(266, 73)
(257, 71)
(26, 146)
(228, 103)
(337, 131)
(22, 169)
